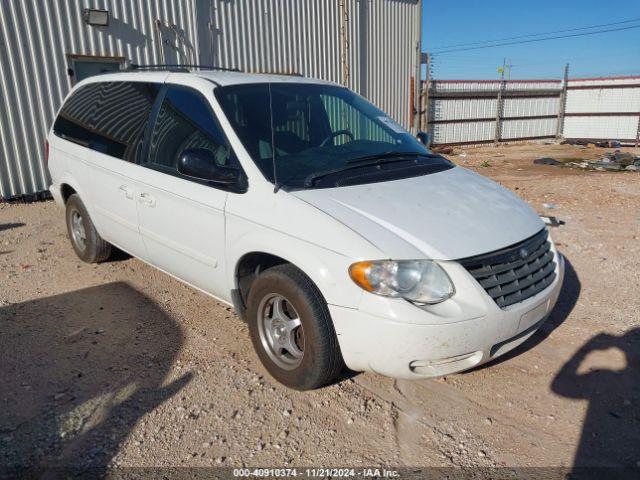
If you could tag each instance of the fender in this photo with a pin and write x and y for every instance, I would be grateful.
(319, 264)
(67, 178)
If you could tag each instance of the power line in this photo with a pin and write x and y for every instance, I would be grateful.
(536, 34)
(449, 61)
(538, 39)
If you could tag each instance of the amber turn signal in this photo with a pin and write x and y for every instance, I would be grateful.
(358, 272)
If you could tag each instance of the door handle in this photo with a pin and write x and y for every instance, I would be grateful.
(127, 191)
(147, 199)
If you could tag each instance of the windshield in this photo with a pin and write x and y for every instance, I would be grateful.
(317, 136)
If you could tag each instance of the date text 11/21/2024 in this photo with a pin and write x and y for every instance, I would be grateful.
(316, 472)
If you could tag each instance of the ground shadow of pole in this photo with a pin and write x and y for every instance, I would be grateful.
(79, 370)
(9, 226)
(610, 442)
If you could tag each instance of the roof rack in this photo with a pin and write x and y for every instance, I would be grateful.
(180, 67)
(275, 72)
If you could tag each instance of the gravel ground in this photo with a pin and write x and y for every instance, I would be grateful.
(118, 364)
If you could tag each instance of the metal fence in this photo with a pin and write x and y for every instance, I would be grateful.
(463, 112)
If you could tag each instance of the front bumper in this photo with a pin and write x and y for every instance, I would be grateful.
(398, 339)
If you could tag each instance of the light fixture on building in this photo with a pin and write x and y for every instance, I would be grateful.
(96, 17)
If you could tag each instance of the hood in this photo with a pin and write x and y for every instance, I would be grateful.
(445, 216)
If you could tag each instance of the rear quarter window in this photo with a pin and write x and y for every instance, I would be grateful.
(108, 117)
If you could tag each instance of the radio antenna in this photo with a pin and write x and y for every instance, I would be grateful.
(276, 186)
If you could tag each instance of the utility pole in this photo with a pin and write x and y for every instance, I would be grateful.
(508, 67)
(562, 104)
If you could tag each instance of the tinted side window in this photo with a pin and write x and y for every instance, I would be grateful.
(186, 121)
(108, 117)
(247, 108)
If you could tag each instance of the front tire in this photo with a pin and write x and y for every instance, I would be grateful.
(87, 243)
(291, 329)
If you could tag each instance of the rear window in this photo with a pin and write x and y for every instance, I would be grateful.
(108, 117)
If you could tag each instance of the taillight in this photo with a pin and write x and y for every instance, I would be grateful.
(46, 153)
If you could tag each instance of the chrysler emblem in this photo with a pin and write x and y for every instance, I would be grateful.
(524, 253)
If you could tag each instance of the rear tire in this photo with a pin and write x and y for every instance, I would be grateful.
(87, 243)
(305, 356)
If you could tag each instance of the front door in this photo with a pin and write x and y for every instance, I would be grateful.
(181, 219)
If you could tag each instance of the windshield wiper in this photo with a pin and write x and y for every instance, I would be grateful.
(391, 154)
(367, 161)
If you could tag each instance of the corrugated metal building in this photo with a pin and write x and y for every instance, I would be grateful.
(372, 46)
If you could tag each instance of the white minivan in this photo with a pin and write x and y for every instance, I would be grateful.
(336, 235)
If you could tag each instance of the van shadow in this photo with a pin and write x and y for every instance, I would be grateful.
(611, 429)
(567, 300)
(79, 370)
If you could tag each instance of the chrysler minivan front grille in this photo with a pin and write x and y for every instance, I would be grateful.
(513, 274)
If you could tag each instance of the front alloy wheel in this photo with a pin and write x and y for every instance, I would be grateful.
(281, 331)
(291, 329)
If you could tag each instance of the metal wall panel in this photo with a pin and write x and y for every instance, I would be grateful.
(36, 36)
(601, 96)
(302, 36)
(463, 132)
(493, 85)
(604, 100)
(462, 109)
(605, 127)
(604, 81)
(529, 107)
(534, 127)
(477, 99)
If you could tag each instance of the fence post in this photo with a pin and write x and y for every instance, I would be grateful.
(424, 103)
(562, 106)
(638, 133)
(498, 131)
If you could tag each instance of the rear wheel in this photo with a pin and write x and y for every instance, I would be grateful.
(291, 329)
(87, 243)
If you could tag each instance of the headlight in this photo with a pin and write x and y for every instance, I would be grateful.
(420, 281)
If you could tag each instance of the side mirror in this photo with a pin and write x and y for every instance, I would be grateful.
(201, 163)
(423, 138)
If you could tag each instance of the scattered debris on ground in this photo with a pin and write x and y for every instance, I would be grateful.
(445, 149)
(546, 161)
(552, 221)
(597, 143)
(608, 144)
(612, 161)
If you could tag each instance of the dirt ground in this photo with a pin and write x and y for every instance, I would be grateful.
(117, 364)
